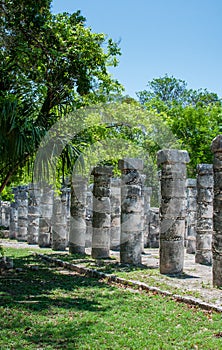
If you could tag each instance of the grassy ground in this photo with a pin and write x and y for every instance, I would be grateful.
(43, 307)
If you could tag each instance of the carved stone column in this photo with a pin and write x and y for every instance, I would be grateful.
(172, 209)
(46, 211)
(59, 225)
(101, 212)
(147, 196)
(204, 229)
(131, 211)
(22, 213)
(115, 213)
(191, 219)
(154, 228)
(33, 214)
(13, 227)
(77, 234)
(216, 148)
(89, 214)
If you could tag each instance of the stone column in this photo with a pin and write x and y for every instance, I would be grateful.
(13, 221)
(65, 201)
(5, 214)
(147, 196)
(172, 209)
(77, 234)
(13, 227)
(101, 212)
(191, 220)
(59, 225)
(131, 211)
(33, 214)
(204, 229)
(22, 213)
(46, 211)
(154, 228)
(89, 214)
(216, 148)
(115, 200)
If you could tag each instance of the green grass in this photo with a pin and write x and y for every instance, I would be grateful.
(145, 274)
(49, 309)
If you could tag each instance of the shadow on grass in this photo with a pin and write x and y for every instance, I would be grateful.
(181, 276)
(42, 307)
(109, 266)
(37, 286)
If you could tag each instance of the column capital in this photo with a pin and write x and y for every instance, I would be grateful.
(216, 145)
(172, 156)
(131, 164)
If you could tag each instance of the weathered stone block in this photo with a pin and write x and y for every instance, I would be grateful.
(131, 222)
(204, 257)
(130, 248)
(172, 229)
(131, 191)
(205, 181)
(173, 188)
(173, 207)
(171, 256)
(130, 163)
(172, 156)
(216, 145)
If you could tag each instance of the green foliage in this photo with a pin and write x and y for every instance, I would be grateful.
(194, 116)
(170, 91)
(103, 134)
(50, 65)
(196, 128)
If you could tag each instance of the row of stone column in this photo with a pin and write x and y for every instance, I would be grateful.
(209, 201)
(39, 217)
(131, 217)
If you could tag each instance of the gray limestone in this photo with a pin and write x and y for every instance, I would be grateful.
(89, 214)
(191, 219)
(13, 226)
(172, 209)
(101, 221)
(154, 228)
(5, 214)
(33, 214)
(66, 203)
(46, 212)
(132, 227)
(216, 148)
(204, 228)
(77, 234)
(59, 225)
(22, 200)
(115, 213)
(147, 196)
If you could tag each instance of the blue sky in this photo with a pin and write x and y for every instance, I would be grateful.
(182, 38)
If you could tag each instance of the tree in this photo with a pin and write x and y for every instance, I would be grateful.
(194, 116)
(171, 91)
(195, 128)
(50, 65)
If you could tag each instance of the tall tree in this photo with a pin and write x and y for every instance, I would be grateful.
(50, 65)
(172, 91)
(194, 116)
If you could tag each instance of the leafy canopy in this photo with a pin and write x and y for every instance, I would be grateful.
(50, 65)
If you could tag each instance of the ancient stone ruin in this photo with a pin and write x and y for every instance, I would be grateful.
(115, 214)
(172, 209)
(216, 148)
